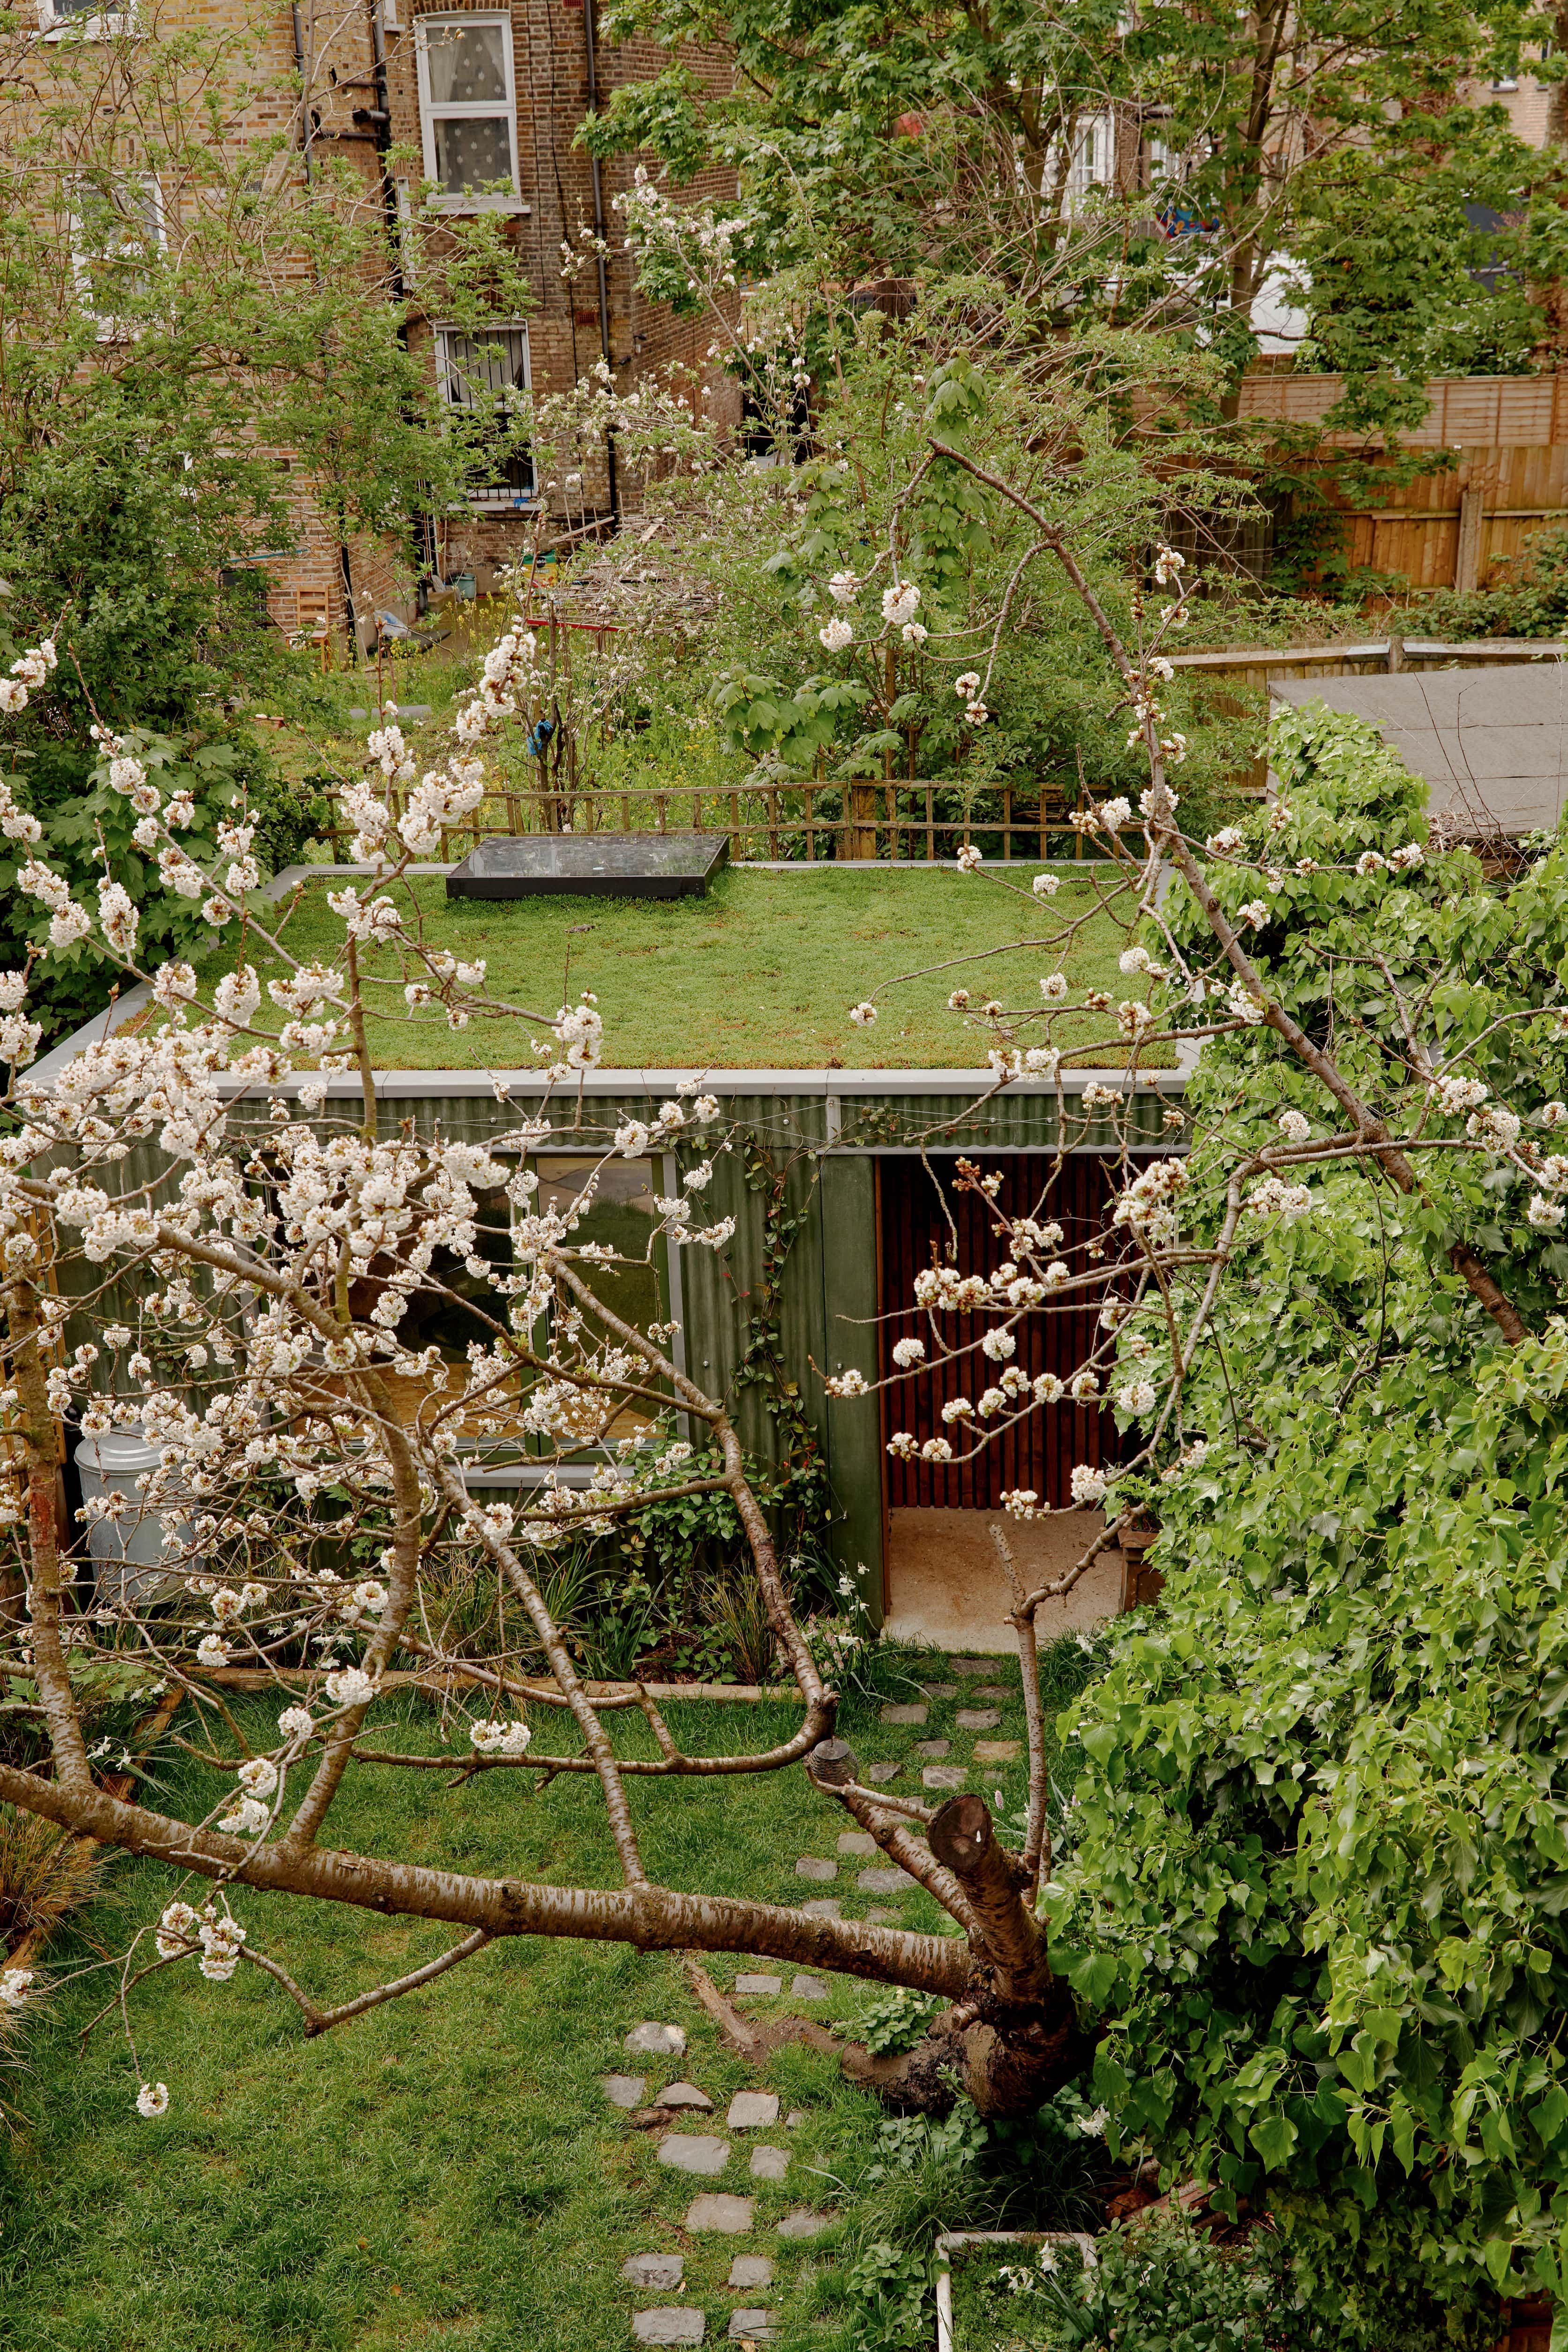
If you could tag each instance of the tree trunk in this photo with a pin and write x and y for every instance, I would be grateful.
(1014, 2039)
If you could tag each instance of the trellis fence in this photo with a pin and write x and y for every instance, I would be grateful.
(794, 822)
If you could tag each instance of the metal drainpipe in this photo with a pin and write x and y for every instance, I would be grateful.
(382, 130)
(305, 153)
(304, 94)
(599, 240)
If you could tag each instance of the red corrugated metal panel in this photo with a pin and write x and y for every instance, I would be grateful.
(1040, 1452)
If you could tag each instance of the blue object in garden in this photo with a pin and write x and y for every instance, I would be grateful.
(538, 736)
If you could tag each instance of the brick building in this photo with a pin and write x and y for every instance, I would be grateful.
(489, 92)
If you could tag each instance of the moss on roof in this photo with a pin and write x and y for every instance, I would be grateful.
(761, 973)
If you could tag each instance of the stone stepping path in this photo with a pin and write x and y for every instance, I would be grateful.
(940, 1690)
(808, 1988)
(715, 2212)
(657, 2041)
(732, 2217)
(997, 1751)
(905, 1714)
(883, 1882)
(684, 2095)
(934, 1748)
(945, 1776)
(993, 1691)
(816, 1866)
(668, 2327)
(654, 2270)
(760, 1987)
(826, 1907)
(879, 1774)
(856, 1842)
(802, 2225)
(700, 2152)
(977, 1718)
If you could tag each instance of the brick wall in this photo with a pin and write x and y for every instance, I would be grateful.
(555, 190)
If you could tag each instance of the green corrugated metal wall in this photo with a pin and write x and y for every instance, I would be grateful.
(828, 1289)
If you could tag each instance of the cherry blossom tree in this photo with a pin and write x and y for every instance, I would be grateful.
(247, 1279)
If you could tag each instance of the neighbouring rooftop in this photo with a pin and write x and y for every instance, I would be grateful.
(1492, 744)
(760, 974)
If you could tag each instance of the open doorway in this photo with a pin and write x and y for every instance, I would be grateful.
(943, 1584)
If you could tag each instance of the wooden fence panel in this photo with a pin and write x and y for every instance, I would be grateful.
(1492, 412)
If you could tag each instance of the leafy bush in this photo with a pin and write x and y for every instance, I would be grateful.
(1159, 2286)
(895, 2019)
(1319, 1865)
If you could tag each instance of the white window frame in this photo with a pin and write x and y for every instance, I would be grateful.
(112, 330)
(499, 500)
(470, 110)
(85, 24)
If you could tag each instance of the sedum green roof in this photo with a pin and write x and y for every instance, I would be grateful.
(760, 974)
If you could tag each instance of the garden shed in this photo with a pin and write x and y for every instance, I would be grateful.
(831, 1174)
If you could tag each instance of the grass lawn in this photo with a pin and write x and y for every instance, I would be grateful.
(445, 2172)
(761, 973)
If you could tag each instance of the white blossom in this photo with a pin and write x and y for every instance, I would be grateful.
(349, 1686)
(491, 1737)
(15, 1984)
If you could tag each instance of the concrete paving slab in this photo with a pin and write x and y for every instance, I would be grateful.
(671, 2326)
(732, 2217)
(654, 2270)
(684, 2095)
(947, 1588)
(658, 2040)
(752, 2111)
(804, 2224)
(700, 2152)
